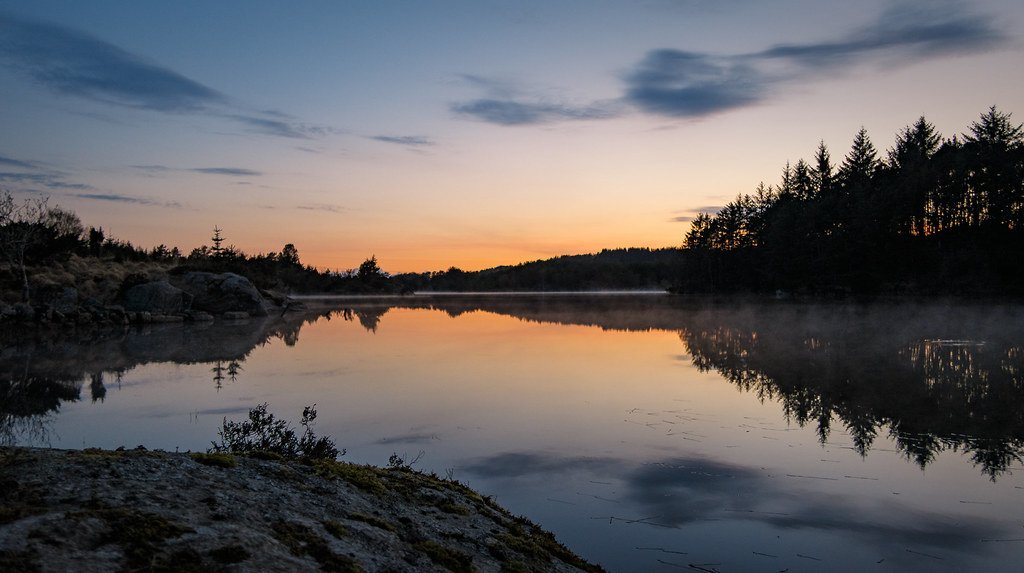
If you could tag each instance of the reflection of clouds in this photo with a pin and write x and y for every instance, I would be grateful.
(225, 411)
(680, 491)
(410, 439)
(521, 464)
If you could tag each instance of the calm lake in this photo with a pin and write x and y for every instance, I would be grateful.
(648, 432)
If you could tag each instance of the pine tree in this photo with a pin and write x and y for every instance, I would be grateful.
(823, 169)
(217, 240)
(860, 163)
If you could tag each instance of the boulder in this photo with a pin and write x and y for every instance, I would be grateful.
(157, 297)
(65, 301)
(225, 292)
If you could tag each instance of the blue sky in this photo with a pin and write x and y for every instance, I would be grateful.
(465, 133)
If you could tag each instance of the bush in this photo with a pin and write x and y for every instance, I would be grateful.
(263, 434)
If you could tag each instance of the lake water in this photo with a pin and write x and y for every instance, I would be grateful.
(649, 432)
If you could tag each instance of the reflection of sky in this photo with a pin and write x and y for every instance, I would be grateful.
(604, 436)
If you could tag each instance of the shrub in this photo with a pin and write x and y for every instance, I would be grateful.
(263, 434)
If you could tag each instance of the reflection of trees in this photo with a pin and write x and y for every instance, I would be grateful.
(27, 401)
(39, 370)
(871, 372)
(935, 377)
(369, 318)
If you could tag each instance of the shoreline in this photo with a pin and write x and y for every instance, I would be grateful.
(137, 509)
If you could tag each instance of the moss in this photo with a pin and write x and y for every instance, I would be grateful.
(138, 533)
(515, 567)
(451, 559)
(18, 502)
(21, 561)
(229, 554)
(371, 520)
(449, 506)
(215, 460)
(301, 540)
(335, 528)
(366, 478)
(531, 541)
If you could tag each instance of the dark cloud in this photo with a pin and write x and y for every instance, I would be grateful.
(681, 219)
(16, 163)
(690, 84)
(406, 140)
(686, 84)
(114, 198)
(74, 63)
(231, 171)
(513, 112)
(50, 180)
(904, 31)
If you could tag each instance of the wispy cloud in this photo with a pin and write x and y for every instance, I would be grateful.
(691, 84)
(505, 102)
(688, 83)
(73, 63)
(230, 171)
(905, 31)
(322, 207)
(48, 179)
(681, 219)
(404, 140)
(280, 125)
(16, 163)
(114, 198)
(524, 112)
(152, 168)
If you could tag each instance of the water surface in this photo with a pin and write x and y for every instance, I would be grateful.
(650, 433)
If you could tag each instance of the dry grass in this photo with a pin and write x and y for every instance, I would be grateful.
(94, 278)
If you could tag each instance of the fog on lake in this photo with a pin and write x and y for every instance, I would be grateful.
(648, 432)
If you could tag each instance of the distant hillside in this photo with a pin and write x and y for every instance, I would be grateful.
(617, 269)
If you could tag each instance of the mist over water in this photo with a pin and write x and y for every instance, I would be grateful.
(648, 432)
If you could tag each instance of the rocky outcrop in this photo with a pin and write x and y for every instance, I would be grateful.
(224, 292)
(157, 297)
(97, 510)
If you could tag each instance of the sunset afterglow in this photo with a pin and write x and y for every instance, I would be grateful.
(468, 134)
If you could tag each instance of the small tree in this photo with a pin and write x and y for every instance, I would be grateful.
(21, 228)
(217, 239)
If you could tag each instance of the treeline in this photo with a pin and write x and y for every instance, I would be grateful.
(35, 236)
(618, 269)
(933, 216)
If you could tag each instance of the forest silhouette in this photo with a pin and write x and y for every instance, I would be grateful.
(933, 216)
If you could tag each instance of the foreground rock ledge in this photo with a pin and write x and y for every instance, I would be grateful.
(137, 510)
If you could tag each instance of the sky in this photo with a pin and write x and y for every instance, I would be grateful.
(467, 133)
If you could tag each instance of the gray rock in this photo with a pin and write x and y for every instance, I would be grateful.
(65, 301)
(235, 315)
(24, 311)
(198, 316)
(158, 297)
(225, 292)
